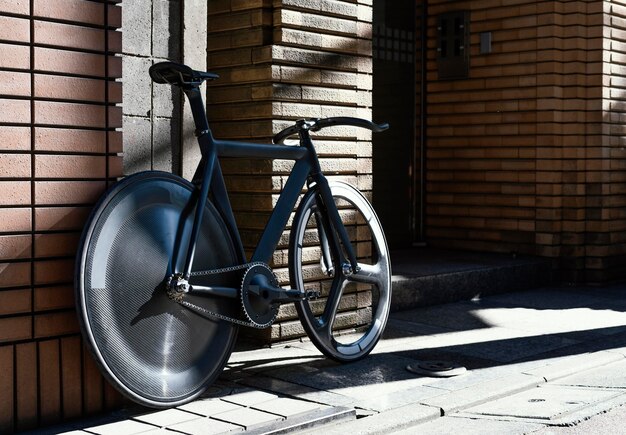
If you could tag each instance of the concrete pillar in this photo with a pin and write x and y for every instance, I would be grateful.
(194, 54)
(152, 112)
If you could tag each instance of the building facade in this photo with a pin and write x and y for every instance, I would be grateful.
(506, 136)
(525, 154)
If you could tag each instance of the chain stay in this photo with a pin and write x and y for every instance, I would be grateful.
(179, 297)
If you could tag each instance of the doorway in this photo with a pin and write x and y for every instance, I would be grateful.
(397, 88)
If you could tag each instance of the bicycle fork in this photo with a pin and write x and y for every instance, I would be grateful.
(328, 219)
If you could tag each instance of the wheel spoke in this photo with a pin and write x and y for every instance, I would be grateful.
(369, 274)
(332, 306)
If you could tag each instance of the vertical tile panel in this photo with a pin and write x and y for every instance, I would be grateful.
(49, 382)
(92, 384)
(7, 388)
(71, 377)
(26, 386)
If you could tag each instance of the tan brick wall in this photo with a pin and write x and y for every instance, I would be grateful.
(280, 61)
(610, 253)
(58, 149)
(519, 155)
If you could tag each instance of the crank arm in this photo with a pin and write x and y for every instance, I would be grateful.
(281, 296)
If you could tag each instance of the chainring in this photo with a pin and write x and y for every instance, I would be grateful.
(256, 303)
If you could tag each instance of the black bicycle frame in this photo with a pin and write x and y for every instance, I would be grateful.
(208, 178)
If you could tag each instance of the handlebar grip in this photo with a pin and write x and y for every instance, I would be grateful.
(319, 124)
(355, 122)
(284, 134)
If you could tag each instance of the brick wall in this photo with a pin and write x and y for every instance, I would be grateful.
(280, 61)
(58, 150)
(610, 217)
(521, 155)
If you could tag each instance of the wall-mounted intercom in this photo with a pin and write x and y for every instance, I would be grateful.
(453, 45)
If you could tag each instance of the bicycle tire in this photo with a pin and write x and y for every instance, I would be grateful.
(150, 348)
(306, 266)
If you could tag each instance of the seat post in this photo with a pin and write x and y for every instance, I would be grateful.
(194, 95)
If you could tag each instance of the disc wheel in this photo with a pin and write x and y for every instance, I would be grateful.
(363, 298)
(152, 349)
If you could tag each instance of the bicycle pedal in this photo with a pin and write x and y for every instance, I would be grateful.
(312, 294)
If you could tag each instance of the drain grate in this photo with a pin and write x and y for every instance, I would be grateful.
(437, 369)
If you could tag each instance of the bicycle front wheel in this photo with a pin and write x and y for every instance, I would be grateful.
(153, 350)
(348, 320)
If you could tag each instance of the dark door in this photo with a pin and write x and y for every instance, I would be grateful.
(396, 162)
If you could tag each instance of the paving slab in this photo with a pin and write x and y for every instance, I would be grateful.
(499, 344)
(457, 317)
(261, 359)
(612, 375)
(378, 382)
(483, 392)
(573, 364)
(71, 432)
(247, 417)
(205, 426)
(473, 376)
(454, 425)
(386, 422)
(403, 329)
(166, 417)
(301, 391)
(570, 419)
(209, 407)
(319, 420)
(609, 423)
(506, 345)
(544, 403)
(287, 407)
(249, 397)
(123, 427)
(158, 431)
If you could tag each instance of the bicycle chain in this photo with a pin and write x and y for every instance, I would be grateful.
(180, 297)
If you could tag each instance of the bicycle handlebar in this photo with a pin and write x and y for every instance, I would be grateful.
(318, 124)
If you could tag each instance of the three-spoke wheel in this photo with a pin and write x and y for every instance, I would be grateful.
(362, 298)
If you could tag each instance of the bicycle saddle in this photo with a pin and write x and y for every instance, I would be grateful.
(178, 74)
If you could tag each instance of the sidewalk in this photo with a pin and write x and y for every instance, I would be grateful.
(534, 359)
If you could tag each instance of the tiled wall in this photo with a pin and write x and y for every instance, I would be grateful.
(524, 155)
(59, 147)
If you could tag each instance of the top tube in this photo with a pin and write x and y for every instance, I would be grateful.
(228, 148)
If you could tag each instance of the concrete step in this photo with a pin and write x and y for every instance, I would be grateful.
(429, 276)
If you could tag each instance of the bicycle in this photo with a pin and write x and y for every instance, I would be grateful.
(162, 283)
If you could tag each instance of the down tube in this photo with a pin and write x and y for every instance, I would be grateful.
(278, 220)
